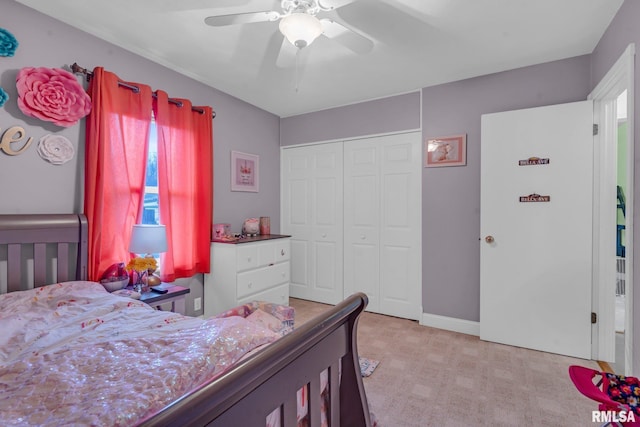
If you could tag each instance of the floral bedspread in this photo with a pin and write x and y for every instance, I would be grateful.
(73, 354)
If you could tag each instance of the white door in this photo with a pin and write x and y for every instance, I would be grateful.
(382, 222)
(536, 256)
(311, 211)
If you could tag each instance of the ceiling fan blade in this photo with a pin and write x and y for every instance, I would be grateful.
(190, 5)
(242, 18)
(271, 53)
(287, 55)
(346, 36)
(280, 58)
(334, 4)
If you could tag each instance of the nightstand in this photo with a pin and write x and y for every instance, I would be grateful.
(176, 295)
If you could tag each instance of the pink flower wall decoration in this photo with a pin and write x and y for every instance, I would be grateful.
(52, 94)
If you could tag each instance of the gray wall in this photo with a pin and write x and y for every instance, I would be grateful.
(623, 30)
(392, 114)
(31, 185)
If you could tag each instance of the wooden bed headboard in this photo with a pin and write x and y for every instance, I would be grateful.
(39, 249)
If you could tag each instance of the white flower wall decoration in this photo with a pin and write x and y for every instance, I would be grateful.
(55, 149)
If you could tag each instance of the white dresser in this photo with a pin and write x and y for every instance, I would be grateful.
(251, 269)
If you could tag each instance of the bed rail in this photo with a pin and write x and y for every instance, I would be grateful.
(39, 249)
(252, 389)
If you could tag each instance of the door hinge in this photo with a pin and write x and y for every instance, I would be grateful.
(595, 129)
(594, 318)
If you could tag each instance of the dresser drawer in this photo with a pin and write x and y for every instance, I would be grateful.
(250, 282)
(277, 295)
(273, 252)
(247, 257)
(282, 250)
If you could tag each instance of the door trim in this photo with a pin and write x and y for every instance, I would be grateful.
(617, 79)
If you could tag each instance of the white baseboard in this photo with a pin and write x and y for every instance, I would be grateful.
(451, 324)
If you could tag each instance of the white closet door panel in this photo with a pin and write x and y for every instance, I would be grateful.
(382, 222)
(362, 217)
(299, 211)
(400, 228)
(366, 202)
(300, 269)
(297, 164)
(327, 236)
(362, 274)
(325, 257)
(326, 214)
(397, 282)
(396, 208)
(312, 215)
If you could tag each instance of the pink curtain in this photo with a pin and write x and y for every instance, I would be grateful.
(117, 137)
(185, 183)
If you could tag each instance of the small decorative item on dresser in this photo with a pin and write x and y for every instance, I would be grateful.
(265, 225)
(221, 230)
(251, 226)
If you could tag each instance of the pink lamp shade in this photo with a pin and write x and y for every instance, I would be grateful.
(148, 239)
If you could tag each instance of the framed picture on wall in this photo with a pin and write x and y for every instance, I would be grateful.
(446, 151)
(244, 172)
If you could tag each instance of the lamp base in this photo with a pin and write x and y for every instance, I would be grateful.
(153, 280)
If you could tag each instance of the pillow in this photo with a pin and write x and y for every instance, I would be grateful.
(265, 319)
(625, 390)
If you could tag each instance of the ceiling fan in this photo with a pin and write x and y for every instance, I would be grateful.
(302, 21)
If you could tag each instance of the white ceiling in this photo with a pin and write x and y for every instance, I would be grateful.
(417, 43)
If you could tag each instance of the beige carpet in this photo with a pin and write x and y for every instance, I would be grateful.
(430, 377)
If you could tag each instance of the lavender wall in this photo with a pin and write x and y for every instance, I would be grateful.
(30, 185)
(392, 114)
(624, 30)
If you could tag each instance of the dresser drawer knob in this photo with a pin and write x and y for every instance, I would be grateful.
(248, 259)
(282, 252)
(250, 285)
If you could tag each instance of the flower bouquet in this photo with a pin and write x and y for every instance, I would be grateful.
(141, 268)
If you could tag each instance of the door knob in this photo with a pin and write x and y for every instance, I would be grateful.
(489, 239)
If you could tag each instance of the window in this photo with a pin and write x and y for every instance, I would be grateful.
(150, 209)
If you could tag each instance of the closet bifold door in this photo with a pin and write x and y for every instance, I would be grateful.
(311, 212)
(382, 222)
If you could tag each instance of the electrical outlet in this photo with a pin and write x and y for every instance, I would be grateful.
(197, 304)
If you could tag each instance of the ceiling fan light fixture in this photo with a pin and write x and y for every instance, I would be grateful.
(300, 28)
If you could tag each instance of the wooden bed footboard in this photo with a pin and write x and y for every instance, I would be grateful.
(270, 379)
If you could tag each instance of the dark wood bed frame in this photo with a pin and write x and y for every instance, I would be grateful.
(250, 390)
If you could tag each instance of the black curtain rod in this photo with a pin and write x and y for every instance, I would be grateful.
(79, 70)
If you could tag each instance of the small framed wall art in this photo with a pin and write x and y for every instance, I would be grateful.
(446, 151)
(244, 172)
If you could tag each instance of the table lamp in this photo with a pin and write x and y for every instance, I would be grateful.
(148, 239)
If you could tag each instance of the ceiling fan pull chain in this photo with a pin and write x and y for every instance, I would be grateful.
(296, 73)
